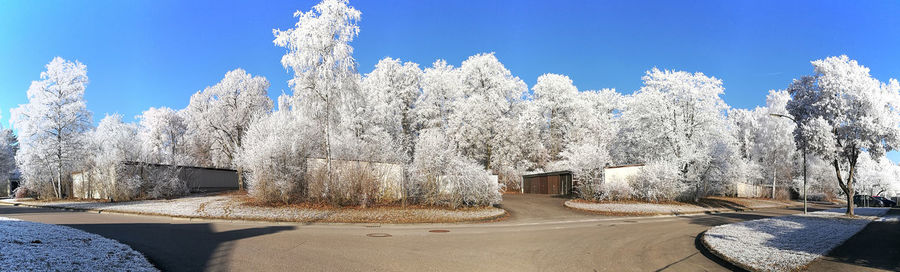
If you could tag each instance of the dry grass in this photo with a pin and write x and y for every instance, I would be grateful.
(239, 206)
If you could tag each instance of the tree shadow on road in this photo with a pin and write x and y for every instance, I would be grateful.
(179, 247)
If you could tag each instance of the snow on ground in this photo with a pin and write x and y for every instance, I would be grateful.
(786, 243)
(680, 208)
(230, 207)
(30, 246)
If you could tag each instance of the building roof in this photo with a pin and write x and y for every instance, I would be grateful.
(624, 165)
(554, 173)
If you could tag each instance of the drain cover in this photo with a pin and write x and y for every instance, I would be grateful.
(439, 230)
(378, 235)
(373, 226)
(630, 221)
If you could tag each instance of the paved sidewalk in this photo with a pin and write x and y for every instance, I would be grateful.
(875, 248)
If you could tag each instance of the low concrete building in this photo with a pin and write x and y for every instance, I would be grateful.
(742, 189)
(620, 175)
(553, 183)
(8, 186)
(86, 184)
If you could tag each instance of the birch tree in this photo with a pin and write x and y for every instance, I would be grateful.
(51, 127)
(845, 111)
(222, 113)
(320, 55)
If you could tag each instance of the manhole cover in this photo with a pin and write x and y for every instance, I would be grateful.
(439, 230)
(378, 235)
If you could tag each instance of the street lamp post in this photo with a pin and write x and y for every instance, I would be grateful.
(804, 159)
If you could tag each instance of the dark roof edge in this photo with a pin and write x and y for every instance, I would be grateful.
(554, 173)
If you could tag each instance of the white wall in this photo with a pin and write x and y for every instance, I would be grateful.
(619, 175)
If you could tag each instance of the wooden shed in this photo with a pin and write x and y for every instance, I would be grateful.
(552, 183)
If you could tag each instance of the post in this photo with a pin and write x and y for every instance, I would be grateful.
(774, 172)
(804, 179)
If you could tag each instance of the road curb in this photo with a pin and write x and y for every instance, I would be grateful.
(637, 214)
(722, 256)
(488, 219)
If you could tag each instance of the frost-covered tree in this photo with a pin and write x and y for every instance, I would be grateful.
(320, 55)
(8, 148)
(844, 111)
(161, 133)
(51, 127)
(112, 143)
(221, 114)
(774, 143)
(441, 89)
(483, 124)
(555, 97)
(679, 117)
(594, 127)
(875, 176)
(392, 89)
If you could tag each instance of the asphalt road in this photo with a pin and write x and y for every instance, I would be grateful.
(539, 235)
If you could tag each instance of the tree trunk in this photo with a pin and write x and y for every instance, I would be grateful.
(804, 180)
(848, 187)
(774, 173)
(240, 177)
(59, 182)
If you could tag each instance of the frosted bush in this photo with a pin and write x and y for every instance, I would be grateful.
(657, 181)
(586, 160)
(166, 182)
(274, 154)
(443, 177)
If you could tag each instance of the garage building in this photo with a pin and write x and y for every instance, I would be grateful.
(553, 183)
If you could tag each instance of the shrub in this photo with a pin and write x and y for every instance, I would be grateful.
(657, 181)
(274, 155)
(441, 176)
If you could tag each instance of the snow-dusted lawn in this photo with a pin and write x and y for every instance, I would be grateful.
(30, 246)
(638, 208)
(232, 207)
(786, 243)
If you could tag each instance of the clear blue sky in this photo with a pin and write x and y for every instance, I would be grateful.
(143, 54)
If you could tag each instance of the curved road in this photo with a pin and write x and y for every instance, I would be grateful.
(539, 235)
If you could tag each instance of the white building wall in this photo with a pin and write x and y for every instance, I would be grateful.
(619, 175)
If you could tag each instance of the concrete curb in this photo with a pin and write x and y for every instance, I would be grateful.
(716, 211)
(722, 256)
(247, 220)
(748, 267)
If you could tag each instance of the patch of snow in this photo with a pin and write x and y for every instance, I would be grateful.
(786, 243)
(30, 246)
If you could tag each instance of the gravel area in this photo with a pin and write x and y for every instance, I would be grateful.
(233, 208)
(786, 243)
(637, 208)
(30, 246)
